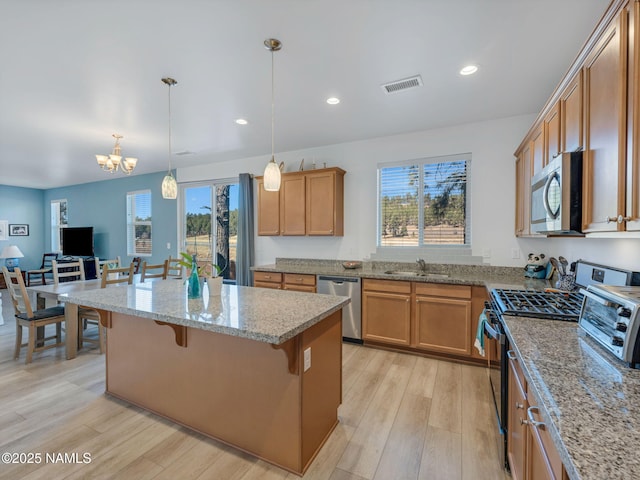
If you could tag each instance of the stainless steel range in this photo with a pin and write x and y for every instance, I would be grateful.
(529, 303)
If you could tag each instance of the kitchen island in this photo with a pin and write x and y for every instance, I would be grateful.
(257, 369)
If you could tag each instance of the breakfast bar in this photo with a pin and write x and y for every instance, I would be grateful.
(257, 369)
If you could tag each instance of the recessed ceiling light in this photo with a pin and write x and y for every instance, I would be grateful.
(469, 70)
(333, 101)
(241, 121)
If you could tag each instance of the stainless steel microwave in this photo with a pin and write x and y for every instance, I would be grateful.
(556, 196)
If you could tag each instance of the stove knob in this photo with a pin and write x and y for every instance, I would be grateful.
(621, 326)
(617, 341)
(623, 312)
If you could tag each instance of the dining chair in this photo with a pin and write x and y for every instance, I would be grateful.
(31, 319)
(45, 268)
(154, 271)
(174, 268)
(100, 264)
(67, 271)
(88, 316)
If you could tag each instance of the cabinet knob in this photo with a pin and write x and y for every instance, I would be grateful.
(523, 422)
(519, 405)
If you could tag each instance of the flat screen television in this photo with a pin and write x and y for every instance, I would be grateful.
(77, 241)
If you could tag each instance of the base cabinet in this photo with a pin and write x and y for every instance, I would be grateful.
(531, 452)
(386, 312)
(285, 281)
(421, 317)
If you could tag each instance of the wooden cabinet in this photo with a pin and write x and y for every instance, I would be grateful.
(523, 192)
(605, 84)
(308, 203)
(285, 281)
(551, 135)
(292, 205)
(422, 317)
(299, 282)
(267, 280)
(542, 459)
(538, 159)
(516, 420)
(386, 311)
(268, 210)
(324, 203)
(571, 115)
(442, 319)
(530, 450)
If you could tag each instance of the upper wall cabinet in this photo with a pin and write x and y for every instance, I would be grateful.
(604, 161)
(308, 203)
(596, 108)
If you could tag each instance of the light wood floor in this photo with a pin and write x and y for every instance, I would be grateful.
(402, 417)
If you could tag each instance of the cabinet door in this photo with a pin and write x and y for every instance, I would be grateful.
(324, 204)
(523, 192)
(552, 133)
(537, 150)
(516, 424)
(386, 317)
(292, 195)
(605, 84)
(571, 115)
(542, 463)
(443, 325)
(268, 211)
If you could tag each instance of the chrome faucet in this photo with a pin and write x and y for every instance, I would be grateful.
(422, 264)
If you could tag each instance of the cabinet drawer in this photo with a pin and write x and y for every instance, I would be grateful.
(443, 290)
(300, 288)
(298, 279)
(394, 286)
(267, 277)
(276, 286)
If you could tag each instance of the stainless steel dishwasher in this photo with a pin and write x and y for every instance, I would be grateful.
(345, 287)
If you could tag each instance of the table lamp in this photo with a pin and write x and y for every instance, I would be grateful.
(11, 253)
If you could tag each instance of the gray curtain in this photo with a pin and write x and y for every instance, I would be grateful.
(245, 247)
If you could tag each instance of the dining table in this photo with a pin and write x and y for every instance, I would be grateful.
(57, 292)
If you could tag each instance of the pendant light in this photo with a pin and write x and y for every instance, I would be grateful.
(169, 184)
(272, 171)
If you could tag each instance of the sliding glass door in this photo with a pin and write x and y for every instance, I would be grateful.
(209, 217)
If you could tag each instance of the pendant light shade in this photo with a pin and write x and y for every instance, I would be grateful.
(272, 176)
(169, 187)
(272, 171)
(169, 184)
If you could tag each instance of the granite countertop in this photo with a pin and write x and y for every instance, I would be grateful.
(477, 275)
(265, 315)
(588, 399)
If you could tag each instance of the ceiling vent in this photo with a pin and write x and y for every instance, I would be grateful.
(404, 84)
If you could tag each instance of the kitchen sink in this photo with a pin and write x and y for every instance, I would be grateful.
(416, 274)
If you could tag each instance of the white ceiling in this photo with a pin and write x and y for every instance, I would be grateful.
(73, 72)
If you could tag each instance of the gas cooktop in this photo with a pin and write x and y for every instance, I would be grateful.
(531, 303)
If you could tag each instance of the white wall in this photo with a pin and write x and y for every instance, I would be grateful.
(491, 144)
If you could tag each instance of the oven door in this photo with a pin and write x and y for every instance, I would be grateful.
(496, 347)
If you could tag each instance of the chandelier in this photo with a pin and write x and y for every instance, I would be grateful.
(272, 171)
(111, 163)
(169, 184)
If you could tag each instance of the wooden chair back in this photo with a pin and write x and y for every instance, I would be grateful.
(17, 291)
(45, 268)
(154, 271)
(174, 269)
(115, 275)
(113, 263)
(67, 271)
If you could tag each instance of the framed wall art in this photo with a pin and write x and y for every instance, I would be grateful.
(19, 230)
(4, 229)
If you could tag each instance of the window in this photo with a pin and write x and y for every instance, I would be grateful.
(212, 242)
(139, 223)
(58, 222)
(424, 202)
